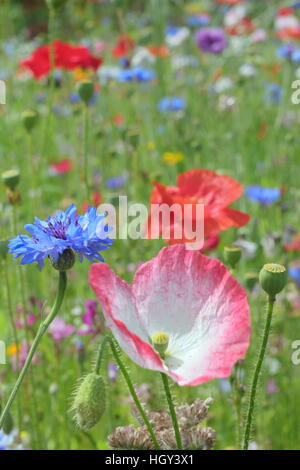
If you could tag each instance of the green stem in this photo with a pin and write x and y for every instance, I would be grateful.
(131, 390)
(257, 370)
(51, 31)
(101, 353)
(85, 150)
(41, 331)
(14, 333)
(172, 410)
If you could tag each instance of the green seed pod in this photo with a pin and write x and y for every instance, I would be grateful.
(232, 255)
(273, 278)
(65, 261)
(11, 179)
(250, 280)
(30, 119)
(85, 89)
(160, 341)
(3, 248)
(89, 402)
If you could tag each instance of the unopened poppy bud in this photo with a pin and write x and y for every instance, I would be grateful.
(160, 341)
(29, 119)
(273, 278)
(89, 402)
(3, 248)
(232, 255)
(8, 424)
(11, 179)
(65, 261)
(250, 280)
(85, 89)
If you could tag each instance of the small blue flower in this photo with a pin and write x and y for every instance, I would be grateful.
(198, 20)
(86, 234)
(286, 51)
(295, 55)
(265, 196)
(171, 104)
(273, 93)
(139, 74)
(116, 182)
(295, 274)
(6, 440)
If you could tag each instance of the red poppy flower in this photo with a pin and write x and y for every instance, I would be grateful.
(59, 168)
(124, 45)
(66, 56)
(215, 191)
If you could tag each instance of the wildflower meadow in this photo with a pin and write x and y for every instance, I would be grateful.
(149, 226)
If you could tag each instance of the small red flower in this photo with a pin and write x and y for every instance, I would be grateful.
(96, 200)
(66, 56)
(124, 45)
(245, 26)
(59, 168)
(289, 33)
(215, 191)
(159, 51)
(295, 245)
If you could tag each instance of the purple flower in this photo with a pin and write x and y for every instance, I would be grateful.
(59, 329)
(92, 321)
(211, 40)
(112, 372)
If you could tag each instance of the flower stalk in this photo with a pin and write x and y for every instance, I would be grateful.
(116, 355)
(172, 410)
(41, 331)
(257, 370)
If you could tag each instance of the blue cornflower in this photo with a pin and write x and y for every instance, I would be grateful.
(171, 104)
(295, 274)
(265, 196)
(84, 234)
(6, 440)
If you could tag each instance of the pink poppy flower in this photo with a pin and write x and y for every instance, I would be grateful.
(189, 298)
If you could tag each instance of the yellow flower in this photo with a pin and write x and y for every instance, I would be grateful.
(150, 145)
(171, 158)
(12, 350)
(81, 75)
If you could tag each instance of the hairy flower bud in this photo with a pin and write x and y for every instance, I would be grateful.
(65, 261)
(11, 179)
(273, 278)
(29, 119)
(89, 401)
(232, 255)
(85, 89)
